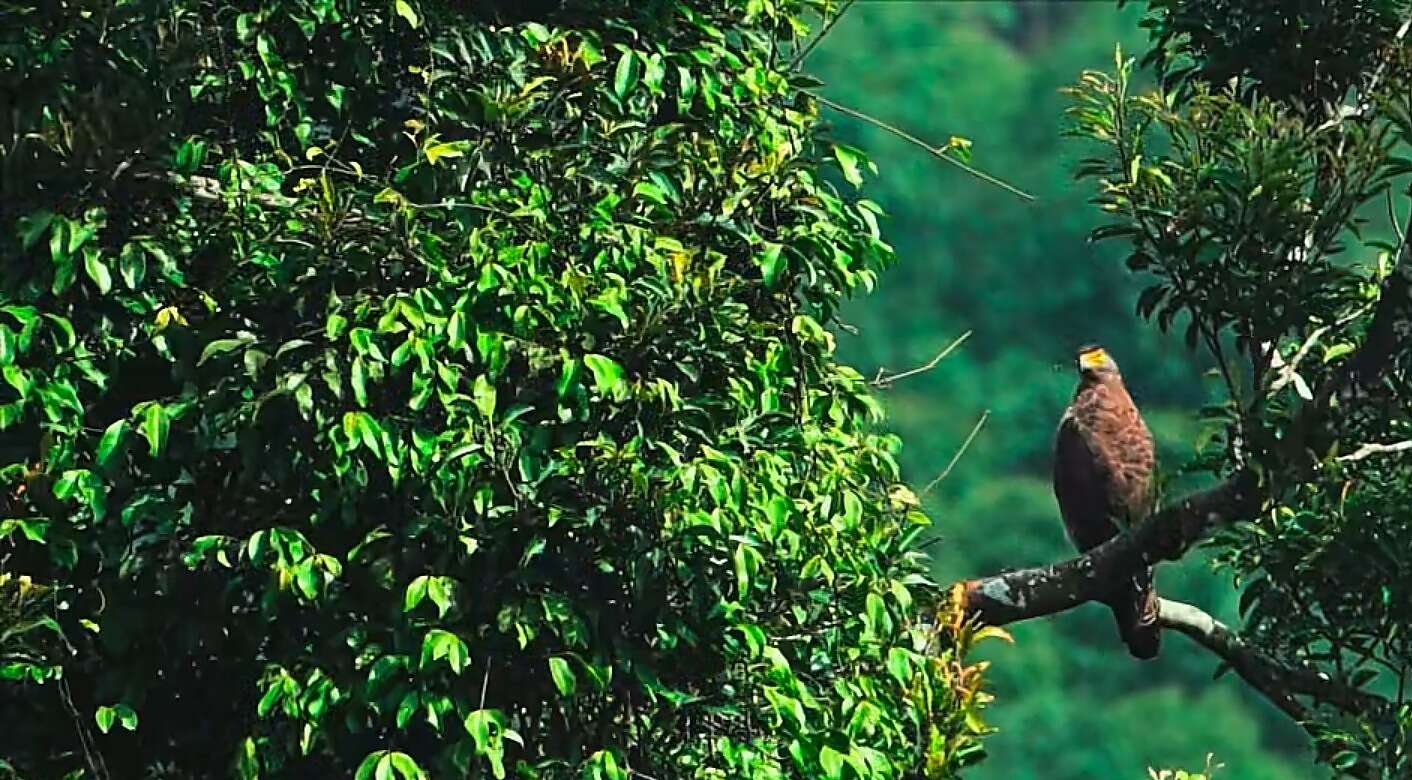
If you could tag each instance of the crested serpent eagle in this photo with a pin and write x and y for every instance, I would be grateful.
(1103, 462)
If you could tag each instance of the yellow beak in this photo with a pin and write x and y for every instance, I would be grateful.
(1094, 358)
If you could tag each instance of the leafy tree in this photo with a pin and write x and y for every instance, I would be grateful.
(404, 388)
(1246, 198)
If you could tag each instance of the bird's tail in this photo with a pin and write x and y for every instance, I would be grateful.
(1135, 607)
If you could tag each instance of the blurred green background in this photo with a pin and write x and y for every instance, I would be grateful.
(1070, 702)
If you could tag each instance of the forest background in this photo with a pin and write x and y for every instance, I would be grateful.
(1023, 278)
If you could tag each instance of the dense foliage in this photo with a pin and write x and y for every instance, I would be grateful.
(1247, 204)
(395, 388)
(1304, 52)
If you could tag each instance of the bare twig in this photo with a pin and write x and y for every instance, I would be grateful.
(965, 445)
(881, 380)
(485, 682)
(91, 756)
(1392, 217)
(823, 33)
(1289, 371)
(1376, 449)
(935, 151)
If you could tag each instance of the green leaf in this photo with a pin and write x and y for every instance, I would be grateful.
(64, 271)
(450, 149)
(31, 226)
(850, 159)
(899, 665)
(771, 263)
(1337, 351)
(754, 638)
(483, 395)
(404, 10)
(405, 766)
(132, 265)
(831, 761)
(410, 702)
(335, 96)
(369, 765)
(568, 378)
(79, 236)
(439, 643)
(747, 563)
(877, 616)
(359, 380)
(267, 702)
(105, 716)
(625, 77)
(126, 717)
(156, 425)
(19, 379)
(439, 589)
(478, 725)
(416, 591)
(220, 347)
(189, 156)
(564, 678)
(334, 326)
(456, 331)
(307, 578)
(852, 510)
(97, 270)
(109, 443)
(607, 376)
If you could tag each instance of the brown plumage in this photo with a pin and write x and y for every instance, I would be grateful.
(1103, 461)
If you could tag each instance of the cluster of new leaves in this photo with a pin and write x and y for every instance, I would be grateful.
(1249, 210)
(393, 392)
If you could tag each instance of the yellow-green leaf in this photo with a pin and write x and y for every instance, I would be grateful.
(405, 10)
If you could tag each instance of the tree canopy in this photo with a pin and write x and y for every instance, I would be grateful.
(407, 389)
(416, 388)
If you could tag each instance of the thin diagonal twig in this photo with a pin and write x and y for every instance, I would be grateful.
(935, 151)
(886, 381)
(965, 445)
(823, 33)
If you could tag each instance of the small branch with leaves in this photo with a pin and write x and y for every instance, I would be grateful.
(943, 153)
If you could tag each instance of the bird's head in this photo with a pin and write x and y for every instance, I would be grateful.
(1095, 363)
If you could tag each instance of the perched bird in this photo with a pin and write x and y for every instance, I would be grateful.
(1103, 462)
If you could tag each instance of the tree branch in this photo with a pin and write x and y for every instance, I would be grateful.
(1259, 670)
(823, 33)
(935, 151)
(882, 380)
(1167, 534)
(1275, 681)
(1164, 536)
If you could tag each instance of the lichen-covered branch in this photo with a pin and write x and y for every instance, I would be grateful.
(1278, 682)
(1166, 535)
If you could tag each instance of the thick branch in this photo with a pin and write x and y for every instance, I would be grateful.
(1165, 535)
(1275, 681)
